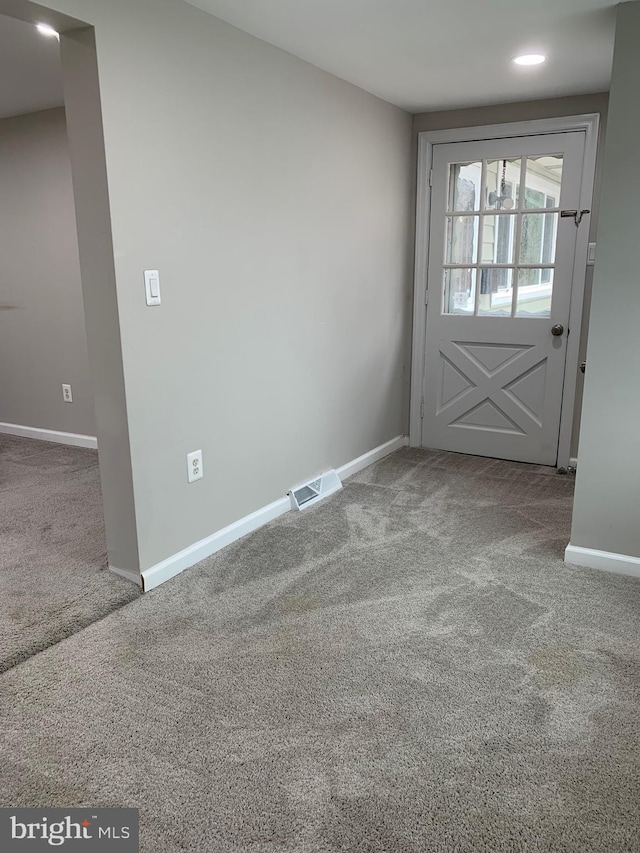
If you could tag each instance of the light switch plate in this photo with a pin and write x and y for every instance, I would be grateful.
(591, 255)
(152, 286)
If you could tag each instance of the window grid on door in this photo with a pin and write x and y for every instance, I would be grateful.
(500, 236)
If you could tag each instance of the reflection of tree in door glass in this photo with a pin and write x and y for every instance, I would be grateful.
(538, 244)
(464, 186)
(466, 195)
(461, 239)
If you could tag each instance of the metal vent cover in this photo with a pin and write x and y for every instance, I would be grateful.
(310, 493)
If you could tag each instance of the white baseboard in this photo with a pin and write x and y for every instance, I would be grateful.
(172, 566)
(55, 436)
(372, 456)
(606, 561)
(176, 564)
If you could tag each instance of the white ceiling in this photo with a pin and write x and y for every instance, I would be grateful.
(419, 54)
(439, 54)
(30, 76)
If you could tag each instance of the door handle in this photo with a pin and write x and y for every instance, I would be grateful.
(557, 330)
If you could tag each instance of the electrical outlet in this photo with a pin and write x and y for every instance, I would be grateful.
(195, 470)
(67, 396)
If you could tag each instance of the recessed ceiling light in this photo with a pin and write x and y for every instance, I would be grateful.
(529, 59)
(46, 30)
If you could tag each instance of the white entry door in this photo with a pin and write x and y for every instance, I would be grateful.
(501, 262)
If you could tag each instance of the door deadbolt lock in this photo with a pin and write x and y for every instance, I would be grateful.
(557, 330)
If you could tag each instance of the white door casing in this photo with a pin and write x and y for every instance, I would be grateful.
(492, 374)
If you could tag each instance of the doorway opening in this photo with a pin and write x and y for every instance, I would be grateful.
(54, 577)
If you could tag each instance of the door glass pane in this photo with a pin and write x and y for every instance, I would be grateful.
(459, 291)
(502, 190)
(496, 292)
(535, 289)
(498, 238)
(538, 238)
(543, 180)
(494, 227)
(464, 186)
(462, 239)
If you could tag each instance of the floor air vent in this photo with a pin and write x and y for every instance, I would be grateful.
(311, 493)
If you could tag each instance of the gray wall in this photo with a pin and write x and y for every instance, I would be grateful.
(528, 111)
(275, 201)
(607, 502)
(42, 329)
(86, 146)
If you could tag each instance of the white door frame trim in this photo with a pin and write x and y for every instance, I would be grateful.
(426, 140)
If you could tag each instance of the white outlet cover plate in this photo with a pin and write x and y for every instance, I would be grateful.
(67, 394)
(195, 471)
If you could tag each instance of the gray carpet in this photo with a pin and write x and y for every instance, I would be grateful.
(405, 667)
(53, 561)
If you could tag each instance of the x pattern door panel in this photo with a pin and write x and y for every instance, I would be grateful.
(493, 387)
